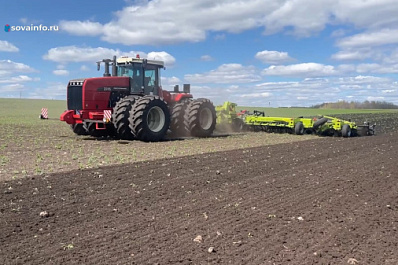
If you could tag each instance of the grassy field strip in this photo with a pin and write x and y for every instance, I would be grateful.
(27, 111)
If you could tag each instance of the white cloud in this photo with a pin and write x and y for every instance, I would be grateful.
(351, 55)
(377, 68)
(346, 68)
(5, 46)
(362, 80)
(338, 33)
(301, 70)
(162, 56)
(305, 16)
(168, 83)
(388, 91)
(391, 58)
(68, 54)
(314, 91)
(61, 72)
(373, 14)
(18, 79)
(51, 90)
(226, 73)
(373, 98)
(370, 39)
(23, 20)
(81, 28)
(8, 67)
(206, 58)
(13, 82)
(256, 95)
(273, 57)
(26, 21)
(11, 88)
(84, 68)
(190, 21)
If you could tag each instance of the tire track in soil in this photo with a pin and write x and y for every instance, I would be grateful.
(139, 209)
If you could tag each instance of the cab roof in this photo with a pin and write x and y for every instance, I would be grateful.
(127, 60)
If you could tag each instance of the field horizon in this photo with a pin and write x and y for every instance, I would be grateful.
(17, 108)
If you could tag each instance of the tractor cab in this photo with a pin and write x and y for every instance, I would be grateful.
(144, 74)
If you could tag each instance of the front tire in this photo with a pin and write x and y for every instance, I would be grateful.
(200, 118)
(78, 129)
(120, 117)
(90, 127)
(149, 119)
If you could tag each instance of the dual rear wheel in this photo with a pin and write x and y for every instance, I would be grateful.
(149, 119)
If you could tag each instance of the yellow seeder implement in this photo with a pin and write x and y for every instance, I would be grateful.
(258, 121)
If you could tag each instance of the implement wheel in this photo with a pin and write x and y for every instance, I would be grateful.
(319, 123)
(299, 128)
(238, 125)
(346, 131)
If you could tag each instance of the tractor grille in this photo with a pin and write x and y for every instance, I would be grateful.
(75, 98)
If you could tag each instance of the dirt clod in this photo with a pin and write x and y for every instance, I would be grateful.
(198, 239)
(44, 214)
(352, 261)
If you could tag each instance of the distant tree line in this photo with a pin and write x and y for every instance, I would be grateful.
(356, 105)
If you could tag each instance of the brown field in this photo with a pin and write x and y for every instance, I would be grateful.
(251, 198)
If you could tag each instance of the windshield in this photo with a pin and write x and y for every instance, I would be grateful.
(143, 79)
(135, 72)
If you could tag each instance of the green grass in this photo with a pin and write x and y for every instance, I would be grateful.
(27, 111)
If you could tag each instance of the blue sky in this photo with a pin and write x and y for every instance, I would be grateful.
(254, 52)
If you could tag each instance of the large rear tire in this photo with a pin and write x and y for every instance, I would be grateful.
(149, 119)
(120, 117)
(200, 118)
(177, 119)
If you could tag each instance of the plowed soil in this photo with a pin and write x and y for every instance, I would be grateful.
(323, 201)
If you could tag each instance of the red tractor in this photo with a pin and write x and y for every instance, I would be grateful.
(130, 104)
